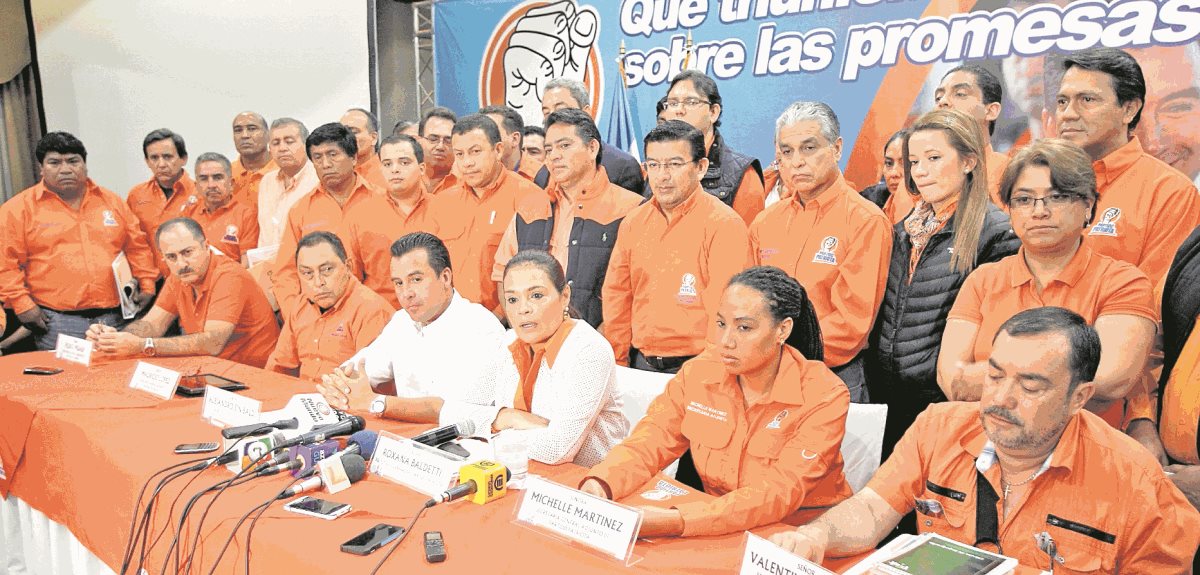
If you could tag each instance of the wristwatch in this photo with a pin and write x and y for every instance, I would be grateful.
(148, 348)
(377, 405)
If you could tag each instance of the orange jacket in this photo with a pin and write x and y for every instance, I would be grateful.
(55, 257)
(317, 342)
(838, 247)
(152, 208)
(777, 459)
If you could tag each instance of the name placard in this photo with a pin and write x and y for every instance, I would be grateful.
(762, 557)
(157, 381)
(73, 349)
(224, 408)
(414, 465)
(603, 525)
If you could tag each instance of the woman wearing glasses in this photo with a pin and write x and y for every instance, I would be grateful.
(952, 228)
(1050, 190)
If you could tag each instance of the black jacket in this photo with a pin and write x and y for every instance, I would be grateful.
(1180, 305)
(904, 346)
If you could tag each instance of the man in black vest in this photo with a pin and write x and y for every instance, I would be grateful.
(734, 178)
(577, 220)
(1177, 385)
(623, 170)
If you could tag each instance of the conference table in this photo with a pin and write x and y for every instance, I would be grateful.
(78, 446)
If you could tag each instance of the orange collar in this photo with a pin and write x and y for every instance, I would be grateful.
(528, 359)
(1110, 167)
(1070, 275)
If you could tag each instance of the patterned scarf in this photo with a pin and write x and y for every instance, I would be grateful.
(921, 224)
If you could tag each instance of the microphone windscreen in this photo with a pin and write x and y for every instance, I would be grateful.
(355, 467)
(466, 428)
(366, 440)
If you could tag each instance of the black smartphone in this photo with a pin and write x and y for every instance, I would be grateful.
(435, 547)
(368, 541)
(193, 385)
(206, 447)
(37, 370)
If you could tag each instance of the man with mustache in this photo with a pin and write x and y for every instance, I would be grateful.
(229, 222)
(254, 159)
(220, 309)
(337, 316)
(1026, 471)
(434, 134)
(169, 193)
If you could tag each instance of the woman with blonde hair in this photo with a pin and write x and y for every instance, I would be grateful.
(952, 228)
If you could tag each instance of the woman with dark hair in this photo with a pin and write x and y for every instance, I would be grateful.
(553, 373)
(891, 195)
(952, 228)
(762, 414)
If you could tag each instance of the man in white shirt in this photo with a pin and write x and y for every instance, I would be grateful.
(432, 351)
(279, 190)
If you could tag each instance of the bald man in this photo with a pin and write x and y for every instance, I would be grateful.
(250, 135)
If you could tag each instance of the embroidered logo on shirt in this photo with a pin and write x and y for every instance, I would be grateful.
(825, 255)
(687, 289)
(231, 234)
(775, 423)
(1108, 223)
(663, 491)
(191, 201)
(339, 331)
(109, 220)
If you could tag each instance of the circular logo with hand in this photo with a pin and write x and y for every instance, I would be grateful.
(534, 43)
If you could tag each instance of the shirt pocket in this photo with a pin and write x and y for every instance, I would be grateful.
(709, 440)
(942, 510)
(1081, 547)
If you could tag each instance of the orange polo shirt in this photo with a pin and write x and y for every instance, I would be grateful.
(152, 208)
(666, 275)
(444, 184)
(838, 247)
(317, 341)
(751, 196)
(316, 211)
(778, 459)
(599, 201)
(226, 293)
(245, 182)
(371, 228)
(471, 223)
(231, 228)
(1146, 210)
(1103, 498)
(60, 258)
(996, 164)
(371, 170)
(1092, 285)
(1180, 422)
(528, 167)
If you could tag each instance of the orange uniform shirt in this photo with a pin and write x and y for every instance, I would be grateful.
(778, 459)
(750, 197)
(245, 182)
(1180, 423)
(838, 247)
(316, 211)
(1091, 285)
(316, 341)
(1146, 210)
(471, 224)
(528, 167)
(227, 293)
(371, 170)
(1103, 498)
(59, 258)
(232, 228)
(152, 208)
(371, 228)
(996, 164)
(666, 275)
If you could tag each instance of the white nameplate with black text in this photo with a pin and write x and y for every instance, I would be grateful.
(157, 381)
(73, 349)
(414, 465)
(608, 527)
(765, 558)
(224, 408)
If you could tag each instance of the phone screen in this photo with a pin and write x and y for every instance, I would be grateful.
(376, 536)
(318, 506)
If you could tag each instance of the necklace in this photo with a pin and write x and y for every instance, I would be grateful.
(1008, 486)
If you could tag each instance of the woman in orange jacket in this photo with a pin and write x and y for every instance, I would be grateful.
(762, 415)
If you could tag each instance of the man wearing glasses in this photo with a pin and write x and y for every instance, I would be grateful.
(434, 131)
(734, 178)
(827, 236)
(337, 317)
(673, 257)
(1026, 471)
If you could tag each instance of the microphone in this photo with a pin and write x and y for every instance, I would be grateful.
(355, 468)
(255, 428)
(361, 444)
(233, 454)
(346, 426)
(484, 481)
(440, 435)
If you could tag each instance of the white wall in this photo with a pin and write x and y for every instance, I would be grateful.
(113, 70)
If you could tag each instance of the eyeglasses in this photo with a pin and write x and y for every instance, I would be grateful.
(686, 102)
(1053, 201)
(671, 166)
(435, 140)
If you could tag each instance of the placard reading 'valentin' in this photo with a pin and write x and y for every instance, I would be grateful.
(765, 558)
(608, 527)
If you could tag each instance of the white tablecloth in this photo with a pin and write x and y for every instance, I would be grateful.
(32, 544)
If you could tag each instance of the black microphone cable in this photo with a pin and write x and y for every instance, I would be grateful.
(238, 479)
(238, 525)
(407, 530)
